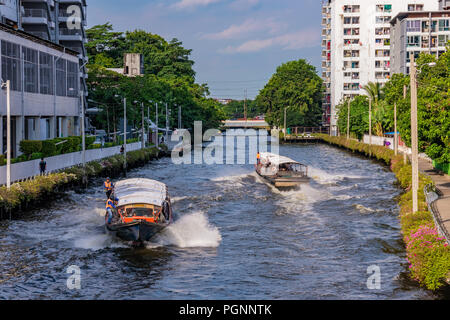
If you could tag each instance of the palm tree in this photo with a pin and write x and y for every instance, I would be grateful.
(375, 91)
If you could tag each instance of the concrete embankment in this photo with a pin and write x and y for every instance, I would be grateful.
(32, 194)
(428, 252)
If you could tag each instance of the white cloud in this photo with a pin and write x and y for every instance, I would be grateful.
(291, 41)
(183, 4)
(249, 26)
(244, 4)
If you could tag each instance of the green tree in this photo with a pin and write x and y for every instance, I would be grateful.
(359, 116)
(296, 85)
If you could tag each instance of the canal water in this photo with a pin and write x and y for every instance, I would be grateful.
(235, 237)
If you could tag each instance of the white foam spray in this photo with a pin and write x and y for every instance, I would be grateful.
(190, 231)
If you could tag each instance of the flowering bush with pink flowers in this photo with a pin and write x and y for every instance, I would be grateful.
(428, 256)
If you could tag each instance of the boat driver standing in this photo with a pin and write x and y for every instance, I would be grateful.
(258, 158)
(110, 207)
(108, 187)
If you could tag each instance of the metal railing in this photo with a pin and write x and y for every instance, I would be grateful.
(431, 197)
(35, 13)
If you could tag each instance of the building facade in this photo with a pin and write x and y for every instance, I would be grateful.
(46, 101)
(417, 32)
(60, 21)
(44, 82)
(356, 46)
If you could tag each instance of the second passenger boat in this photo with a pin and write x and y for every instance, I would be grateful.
(282, 172)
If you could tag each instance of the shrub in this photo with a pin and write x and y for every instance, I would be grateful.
(36, 156)
(48, 148)
(428, 255)
(29, 147)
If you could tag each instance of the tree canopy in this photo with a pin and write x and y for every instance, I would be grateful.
(433, 105)
(168, 79)
(296, 86)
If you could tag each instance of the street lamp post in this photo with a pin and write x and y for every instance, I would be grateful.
(348, 119)
(167, 123)
(125, 135)
(285, 123)
(143, 126)
(414, 136)
(370, 125)
(7, 85)
(395, 130)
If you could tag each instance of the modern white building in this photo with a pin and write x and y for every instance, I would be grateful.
(356, 44)
(44, 77)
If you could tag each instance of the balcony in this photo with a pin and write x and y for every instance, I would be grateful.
(71, 35)
(35, 16)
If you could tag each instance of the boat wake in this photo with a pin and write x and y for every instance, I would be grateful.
(323, 177)
(190, 231)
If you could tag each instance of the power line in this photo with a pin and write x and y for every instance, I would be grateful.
(236, 81)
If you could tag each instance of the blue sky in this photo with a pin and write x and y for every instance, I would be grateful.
(237, 44)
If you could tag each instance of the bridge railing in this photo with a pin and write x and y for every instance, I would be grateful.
(308, 130)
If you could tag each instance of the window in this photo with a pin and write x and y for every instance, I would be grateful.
(415, 7)
(413, 26)
(384, 7)
(444, 25)
(72, 79)
(348, 42)
(61, 80)
(413, 41)
(382, 19)
(425, 42)
(442, 40)
(46, 73)
(11, 65)
(382, 31)
(30, 65)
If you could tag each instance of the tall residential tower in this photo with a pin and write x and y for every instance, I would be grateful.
(356, 45)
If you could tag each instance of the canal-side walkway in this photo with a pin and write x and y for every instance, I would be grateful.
(442, 182)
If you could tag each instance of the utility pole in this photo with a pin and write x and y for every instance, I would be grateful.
(245, 107)
(8, 133)
(370, 126)
(157, 130)
(125, 136)
(404, 97)
(143, 126)
(395, 130)
(83, 134)
(148, 124)
(414, 136)
(167, 124)
(348, 120)
(285, 129)
(179, 117)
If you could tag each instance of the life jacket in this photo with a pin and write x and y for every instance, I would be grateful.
(258, 156)
(108, 186)
(110, 204)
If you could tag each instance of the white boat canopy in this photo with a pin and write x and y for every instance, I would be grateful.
(276, 160)
(142, 191)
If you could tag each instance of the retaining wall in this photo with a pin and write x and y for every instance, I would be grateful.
(28, 169)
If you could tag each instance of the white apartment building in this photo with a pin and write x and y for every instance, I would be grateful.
(356, 45)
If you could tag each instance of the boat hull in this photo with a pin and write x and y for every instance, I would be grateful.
(139, 231)
(285, 182)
